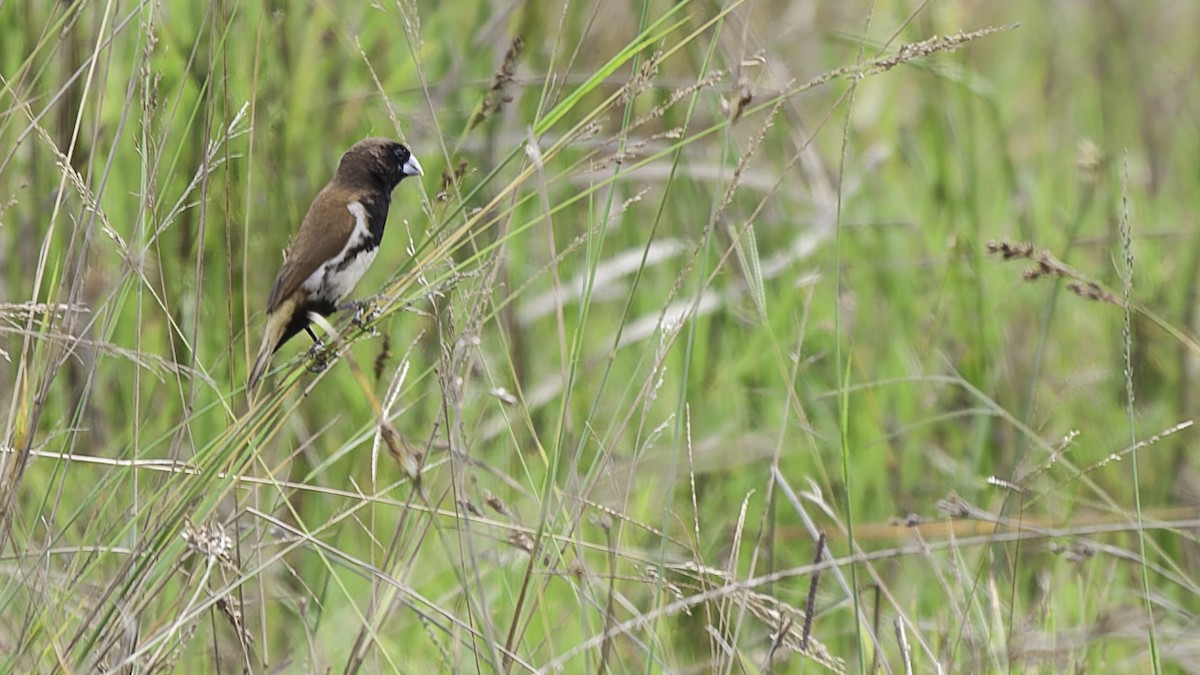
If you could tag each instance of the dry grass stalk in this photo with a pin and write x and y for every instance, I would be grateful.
(787, 622)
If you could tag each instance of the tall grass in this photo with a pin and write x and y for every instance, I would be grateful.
(702, 346)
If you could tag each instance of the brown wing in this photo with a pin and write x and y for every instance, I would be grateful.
(323, 234)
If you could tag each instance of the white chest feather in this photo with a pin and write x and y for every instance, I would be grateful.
(336, 278)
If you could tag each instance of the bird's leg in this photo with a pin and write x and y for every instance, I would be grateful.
(365, 312)
(317, 343)
(320, 357)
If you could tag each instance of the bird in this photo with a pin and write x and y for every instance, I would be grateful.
(337, 241)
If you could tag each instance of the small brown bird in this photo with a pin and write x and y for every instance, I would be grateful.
(336, 243)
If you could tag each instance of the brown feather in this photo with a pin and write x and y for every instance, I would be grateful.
(323, 234)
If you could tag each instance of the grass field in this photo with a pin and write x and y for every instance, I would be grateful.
(733, 337)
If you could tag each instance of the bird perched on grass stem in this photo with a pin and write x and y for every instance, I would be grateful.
(336, 243)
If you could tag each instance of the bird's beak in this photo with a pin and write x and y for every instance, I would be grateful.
(412, 167)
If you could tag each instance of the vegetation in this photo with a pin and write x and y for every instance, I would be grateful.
(718, 337)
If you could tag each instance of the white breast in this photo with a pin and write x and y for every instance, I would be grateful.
(335, 284)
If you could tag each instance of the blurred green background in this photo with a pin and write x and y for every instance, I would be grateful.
(683, 285)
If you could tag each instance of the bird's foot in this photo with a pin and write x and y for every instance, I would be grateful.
(365, 313)
(320, 356)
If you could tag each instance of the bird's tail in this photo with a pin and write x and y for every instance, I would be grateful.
(260, 367)
(271, 334)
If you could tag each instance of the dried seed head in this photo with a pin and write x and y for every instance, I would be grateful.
(210, 541)
(497, 505)
(497, 96)
(1009, 250)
